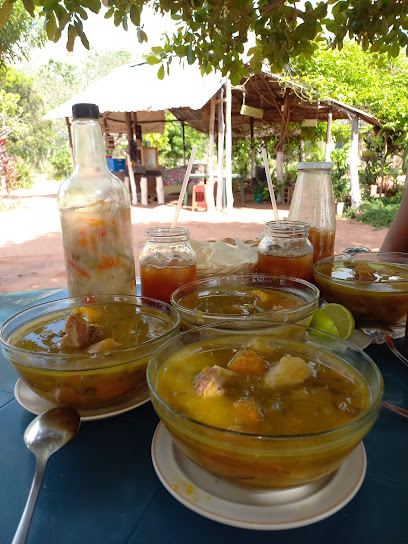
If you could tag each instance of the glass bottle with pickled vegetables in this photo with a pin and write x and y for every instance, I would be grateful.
(285, 250)
(313, 203)
(167, 261)
(95, 216)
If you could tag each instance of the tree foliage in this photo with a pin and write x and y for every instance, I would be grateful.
(217, 33)
(368, 81)
(19, 32)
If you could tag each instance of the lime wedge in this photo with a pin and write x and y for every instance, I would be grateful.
(323, 322)
(342, 318)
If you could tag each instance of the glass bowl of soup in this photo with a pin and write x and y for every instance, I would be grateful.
(373, 286)
(91, 352)
(247, 296)
(273, 408)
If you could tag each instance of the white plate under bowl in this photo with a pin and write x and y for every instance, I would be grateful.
(37, 405)
(278, 509)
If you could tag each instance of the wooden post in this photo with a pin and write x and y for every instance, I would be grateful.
(210, 190)
(71, 145)
(353, 159)
(228, 146)
(383, 156)
(329, 140)
(251, 124)
(129, 165)
(281, 144)
(184, 142)
(220, 177)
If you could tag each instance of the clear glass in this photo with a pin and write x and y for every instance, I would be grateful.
(87, 381)
(167, 261)
(95, 220)
(313, 203)
(268, 461)
(229, 298)
(285, 250)
(370, 298)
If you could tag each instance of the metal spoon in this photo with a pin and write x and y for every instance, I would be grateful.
(383, 333)
(45, 435)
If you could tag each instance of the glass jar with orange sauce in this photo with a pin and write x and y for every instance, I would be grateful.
(167, 261)
(285, 250)
(313, 203)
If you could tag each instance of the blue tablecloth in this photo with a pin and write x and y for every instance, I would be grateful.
(101, 488)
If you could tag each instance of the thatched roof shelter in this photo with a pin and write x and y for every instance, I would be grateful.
(132, 97)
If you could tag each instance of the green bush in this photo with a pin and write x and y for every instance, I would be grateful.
(61, 162)
(24, 180)
(378, 212)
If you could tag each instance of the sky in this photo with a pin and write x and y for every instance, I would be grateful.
(104, 36)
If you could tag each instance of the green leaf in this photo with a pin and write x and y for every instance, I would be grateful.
(29, 6)
(51, 26)
(109, 13)
(152, 60)
(157, 49)
(5, 12)
(93, 5)
(72, 34)
(135, 15)
(57, 35)
(81, 34)
(141, 36)
(160, 73)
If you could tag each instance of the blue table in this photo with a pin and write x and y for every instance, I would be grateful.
(101, 488)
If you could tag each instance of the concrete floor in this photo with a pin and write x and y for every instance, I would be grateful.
(30, 238)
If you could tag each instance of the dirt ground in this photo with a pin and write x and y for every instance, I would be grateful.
(31, 254)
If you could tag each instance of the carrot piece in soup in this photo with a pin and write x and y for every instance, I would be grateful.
(248, 362)
(247, 410)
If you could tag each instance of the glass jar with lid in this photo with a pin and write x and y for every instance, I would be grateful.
(285, 250)
(95, 216)
(313, 203)
(167, 261)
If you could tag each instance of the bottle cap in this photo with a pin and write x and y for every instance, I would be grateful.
(314, 165)
(87, 111)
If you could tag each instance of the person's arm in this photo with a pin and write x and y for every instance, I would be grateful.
(396, 238)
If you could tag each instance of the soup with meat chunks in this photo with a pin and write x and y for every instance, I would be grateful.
(259, 389)
(101, 353)
(371, 290)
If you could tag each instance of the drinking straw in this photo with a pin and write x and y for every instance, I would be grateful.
(184, 186)
(270, 186)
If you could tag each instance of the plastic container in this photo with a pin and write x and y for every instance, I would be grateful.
(285, 250)
(167, 262)
(95, 216)
(313, 203)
